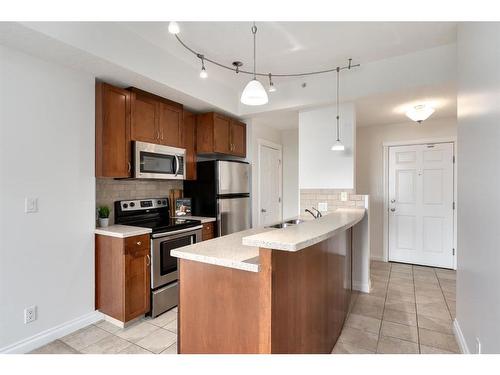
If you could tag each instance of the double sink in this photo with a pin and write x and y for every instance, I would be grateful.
(286, 224)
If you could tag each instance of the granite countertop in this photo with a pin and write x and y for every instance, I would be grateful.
(203, 219)
(122, 231)
(241, 250)
(308, 233)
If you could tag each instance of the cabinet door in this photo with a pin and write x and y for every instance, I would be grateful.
(169, 128)
(222, 134)
(137, 284)
(238, 138)
(112, 144)
(144, 119)
(189, 138)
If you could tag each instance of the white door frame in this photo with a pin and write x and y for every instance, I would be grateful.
(264, 142)
(386, 146)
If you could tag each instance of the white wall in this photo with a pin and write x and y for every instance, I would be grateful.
(370, 164)
(46, 151)
(254, 133)
(478, 276)
(319, 166)
(290, 140)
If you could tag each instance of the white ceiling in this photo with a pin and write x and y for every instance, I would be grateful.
(290, 47)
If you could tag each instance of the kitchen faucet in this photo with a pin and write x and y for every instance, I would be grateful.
(319, 213)
(313, 215)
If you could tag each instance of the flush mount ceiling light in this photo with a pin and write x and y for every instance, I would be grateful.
(420, 113)
(338, 145)
(254, 92)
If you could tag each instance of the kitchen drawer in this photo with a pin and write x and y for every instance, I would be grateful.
(137, 244)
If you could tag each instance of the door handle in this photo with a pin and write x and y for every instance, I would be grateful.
(176, 165)
(393, 209)
(263, 210)
(393, 201)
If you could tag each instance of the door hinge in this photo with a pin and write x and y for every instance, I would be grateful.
(453, 205)
(453, 251)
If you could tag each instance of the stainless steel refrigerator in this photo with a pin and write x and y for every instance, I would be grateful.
(222, 190)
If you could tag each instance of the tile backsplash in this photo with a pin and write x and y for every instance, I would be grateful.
(109, 190)
(312, 197)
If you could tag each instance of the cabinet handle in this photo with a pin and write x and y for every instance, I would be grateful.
(149, 260)
(162, 134)
(139, 243)
(129, 167)
(157, 134)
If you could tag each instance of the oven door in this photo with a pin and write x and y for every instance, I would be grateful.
(158, 161)
(163, 265)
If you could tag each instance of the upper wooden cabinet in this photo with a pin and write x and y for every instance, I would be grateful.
(156, 119)
(189, 141)
(220, 135)
(112, 131)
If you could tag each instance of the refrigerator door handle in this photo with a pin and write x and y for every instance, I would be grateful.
(219, 219)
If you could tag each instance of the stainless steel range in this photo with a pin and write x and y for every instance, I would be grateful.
(168, 233)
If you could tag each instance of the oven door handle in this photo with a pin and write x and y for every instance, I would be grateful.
(166, 234)
(176, 165)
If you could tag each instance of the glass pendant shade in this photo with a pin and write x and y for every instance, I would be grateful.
(338, 146)
(254, 94)
(203, 73)
(420, 113)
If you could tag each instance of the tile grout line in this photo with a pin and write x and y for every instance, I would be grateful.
(445, 301)
(383, 309)
(416, 307)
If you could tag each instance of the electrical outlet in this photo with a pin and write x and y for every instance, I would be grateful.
(343, 196)
(323, 206)
(478, 345)
(30, 205)
(29, 314)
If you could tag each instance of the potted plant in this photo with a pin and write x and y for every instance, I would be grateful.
(103, 212)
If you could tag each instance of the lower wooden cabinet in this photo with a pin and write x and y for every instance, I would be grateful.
(208, 231)
(122, 272)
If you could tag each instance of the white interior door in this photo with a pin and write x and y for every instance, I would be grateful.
(421, 204)
(269, 185)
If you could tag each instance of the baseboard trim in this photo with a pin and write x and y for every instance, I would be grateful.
(361, 287)
(460, 337)
(51, 334)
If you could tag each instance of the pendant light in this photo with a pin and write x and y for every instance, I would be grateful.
(254, 93)
(173, 28)
(338, 145)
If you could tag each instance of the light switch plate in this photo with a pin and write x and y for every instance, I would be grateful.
(30, 205)
(343, 196)
(323, 206)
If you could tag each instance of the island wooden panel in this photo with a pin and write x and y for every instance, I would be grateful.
(296, 303)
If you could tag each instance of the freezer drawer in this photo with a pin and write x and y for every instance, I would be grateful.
(233, 215)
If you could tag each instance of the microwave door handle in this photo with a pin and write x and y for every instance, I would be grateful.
(176, 165)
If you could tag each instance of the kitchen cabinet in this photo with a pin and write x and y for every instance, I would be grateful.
(122, 272)
(156, 119)
(112, 131)
(189, 141)
(208, 231)
(219, 134)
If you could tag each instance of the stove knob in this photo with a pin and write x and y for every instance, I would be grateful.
(132, 204)
(125, 205)
(159, 202)
(164, 202)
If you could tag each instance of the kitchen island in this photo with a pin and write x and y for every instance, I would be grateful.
(268, 290)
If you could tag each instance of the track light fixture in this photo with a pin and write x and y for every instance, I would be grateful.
(271, 88)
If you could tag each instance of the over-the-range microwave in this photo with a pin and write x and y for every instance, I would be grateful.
(158, 161)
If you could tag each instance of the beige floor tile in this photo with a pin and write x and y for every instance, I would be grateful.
(430, 280)
(446, 276)
(401, 296)
(423, 269)
(380, 273)
(137, 331)
(346, 348)
(382, 280)
(108, 345)
(158, 341)
(434, 309)
(134, 349)
(450, 295)
(453, 310)
(376, 265)
(436, 292)
(399, 331)
(365, 298)
(107, 326)
(401, 288)
(399, 267)
(164, 318)
(402, 274)
(172, 326)
(448, 288)
(85, 337)
(390, 345)
(408, 307)
(378, 289)
(401, 317)
(172, 349)
(435, 324)
(374, 311)
(55, 347)
(364, 323)
(423, 298)
(400, 281)
(438, 340)
(359, 338)
(424, 349)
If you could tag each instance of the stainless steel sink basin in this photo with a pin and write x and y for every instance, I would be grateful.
(280, 225)
(294, 221)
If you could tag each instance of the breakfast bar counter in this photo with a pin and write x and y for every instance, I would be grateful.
(268, 290)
